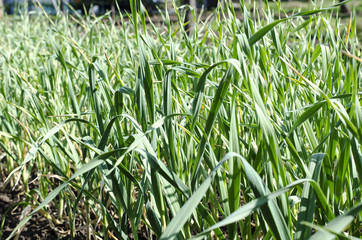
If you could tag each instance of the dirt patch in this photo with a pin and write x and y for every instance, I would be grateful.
(12, 206)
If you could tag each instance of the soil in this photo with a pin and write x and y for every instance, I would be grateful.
(38, 227)
(12, 205)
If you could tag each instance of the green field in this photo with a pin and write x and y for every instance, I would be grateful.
(232, 129)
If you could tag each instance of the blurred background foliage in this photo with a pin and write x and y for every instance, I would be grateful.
(99, 7)
(51, 6)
